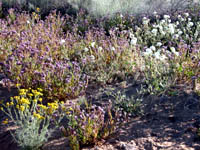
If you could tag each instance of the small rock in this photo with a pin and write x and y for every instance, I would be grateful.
(127, 146)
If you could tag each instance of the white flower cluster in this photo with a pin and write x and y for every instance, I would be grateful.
(133, 39)
(145, 20)
(173, 50)
(153, 53)
(62, 41)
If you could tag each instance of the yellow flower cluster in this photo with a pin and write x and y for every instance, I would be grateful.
(18, 85)
(42, 106)
(1, 108)
(24, 101)
(36, 93)
(38, 9)
(52, 107)
(38, 116)
(5, 121)
(23, 92)
(9, 104)
(21, 108)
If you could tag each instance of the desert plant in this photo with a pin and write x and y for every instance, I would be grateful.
(31, 118)
(88, 125)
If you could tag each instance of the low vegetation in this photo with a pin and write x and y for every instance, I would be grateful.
(54, 60)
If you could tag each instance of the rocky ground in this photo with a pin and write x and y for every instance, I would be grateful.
(167, 123)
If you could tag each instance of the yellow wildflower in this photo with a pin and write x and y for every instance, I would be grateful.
(36, 93)
(67, 112)
(1, 108)
(11, 103)
(22, 92)
(38, 9)
(40, 99)
(18, 85)
(50, 111)
(22, 108)
(30, 94)
(38, 116)
(35, 100)
(43, 106)
(17, 106)
(5, 121)
(54, 106)
(39, 89)
(7, 104)
(25, 101)
(16, 98)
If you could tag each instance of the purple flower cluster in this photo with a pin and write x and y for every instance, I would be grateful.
(89, 125)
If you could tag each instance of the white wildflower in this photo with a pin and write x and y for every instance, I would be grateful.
(174, 51)
(142, 67)
(157, 55)
(162, 32)
(196, 34)
(163, 57)
(159, 44)
(131, 35)
(155, 13)
(134, 41)
(147, 52)
(190, 24)
(100, 48)
(145, 20)
(62, 41)
(187, 36)
(162, 21)
(92, 58)
(154, 31)
(153, 48)
(182, 19)
(180, 32)
(177, 22)
(160, 27)
(189, 19)
(186, 14)
(166, 17)
(86, 49)
(175, 36)
(112, 48)
(28, 22)
(93, 44)
(171, 28)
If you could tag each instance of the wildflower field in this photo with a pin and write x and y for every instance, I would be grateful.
(85, 78)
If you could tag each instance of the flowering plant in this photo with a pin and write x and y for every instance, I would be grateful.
(87, 126)
(31, 117)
